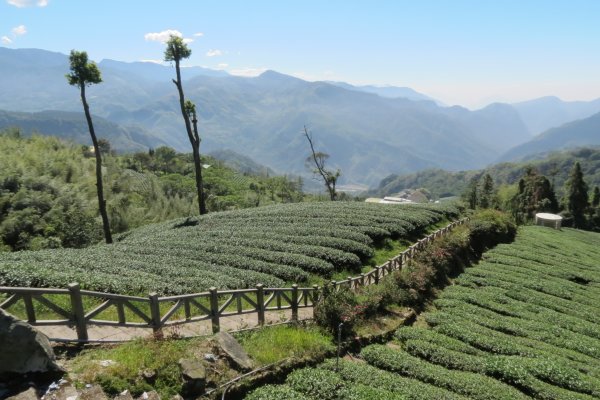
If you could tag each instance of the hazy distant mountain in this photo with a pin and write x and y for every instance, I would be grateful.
(548, 112)
(368, 135)
(155, 72)
(73, 126)
(498, 125)
(392, 92)
(584, 132)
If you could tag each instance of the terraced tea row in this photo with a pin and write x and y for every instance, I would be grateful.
(237, 249)
(524, 323)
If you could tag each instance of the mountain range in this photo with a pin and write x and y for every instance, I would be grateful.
(369, 131)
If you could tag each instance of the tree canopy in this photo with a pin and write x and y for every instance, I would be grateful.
(83, 73)
(177, 49)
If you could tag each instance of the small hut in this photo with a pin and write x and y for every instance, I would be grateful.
(546, 219)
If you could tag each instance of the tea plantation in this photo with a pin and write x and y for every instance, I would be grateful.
(523, 323)
(272, 245)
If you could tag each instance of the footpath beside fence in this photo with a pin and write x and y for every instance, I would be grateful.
(80, 311)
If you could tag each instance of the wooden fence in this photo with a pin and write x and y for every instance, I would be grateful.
(158, 312)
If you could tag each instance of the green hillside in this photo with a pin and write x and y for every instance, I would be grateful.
(48, 194)
(445, 183)
(270, 245)
(523, 323)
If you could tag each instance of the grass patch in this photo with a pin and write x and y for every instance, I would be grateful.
(386, 250)
(117, 368)
(276, 343)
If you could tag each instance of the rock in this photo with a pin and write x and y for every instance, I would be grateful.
(194, 376)
(64, 391)
(106, 363)
(234, 351)
(125, 395)
(149, 375)
(23, 349)
(93, 392)
(150, 396)
(29, 394)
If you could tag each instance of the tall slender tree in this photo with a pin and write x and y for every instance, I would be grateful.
(176, 51)
(577, 196)
(85, 73)
(190, 109)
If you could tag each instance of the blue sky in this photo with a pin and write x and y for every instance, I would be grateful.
(461, 52)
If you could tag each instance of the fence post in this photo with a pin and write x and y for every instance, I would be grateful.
(214, 310)
(362, 279)
(27, 299)
(377, 270)
(294, 303)
(154, 311)
(77, 310)
(315, 299)
(260, 304)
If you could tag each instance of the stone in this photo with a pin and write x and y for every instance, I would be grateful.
(29, 394)
(23, 349)
(152, 395)
(93, 392)
(64, 391)
(149, 375)
(125, 395)
(194, 376)
(234, 351)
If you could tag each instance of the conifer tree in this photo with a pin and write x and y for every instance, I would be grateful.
(487, 198)
(83, 74)
(577, 196)
(472, 193)
(535, 194)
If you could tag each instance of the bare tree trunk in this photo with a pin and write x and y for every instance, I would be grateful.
(99, 185)
(198, 167)
(330, 185)
(194, 141)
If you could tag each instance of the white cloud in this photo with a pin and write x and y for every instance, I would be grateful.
(165, 35)
(19, 30)
(247, 71)
(214, 53)
(152, 61)
(27, 3)
(222, 66)
(5, 40)
(198, 34)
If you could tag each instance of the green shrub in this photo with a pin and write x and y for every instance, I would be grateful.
(275, 392)
(490, 227)
(316, 383)
(337, 307)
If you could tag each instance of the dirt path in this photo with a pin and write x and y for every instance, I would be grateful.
(119, 334)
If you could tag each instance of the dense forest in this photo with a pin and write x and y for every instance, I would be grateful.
(47, 190)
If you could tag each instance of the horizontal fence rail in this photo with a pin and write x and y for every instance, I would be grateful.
(157, 312)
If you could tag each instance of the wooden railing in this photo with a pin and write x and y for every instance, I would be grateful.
(158, 312)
